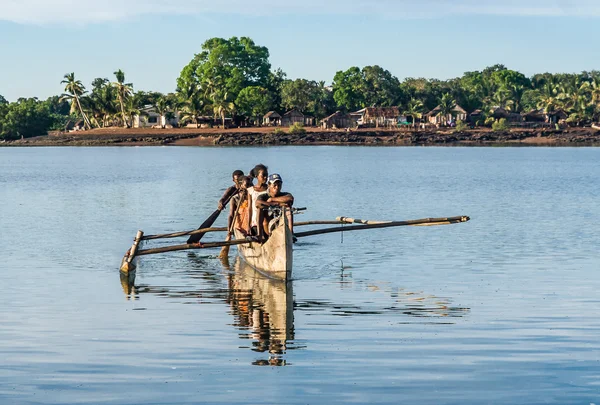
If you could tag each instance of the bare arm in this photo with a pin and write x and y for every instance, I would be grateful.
(287, 200)
(232, 211)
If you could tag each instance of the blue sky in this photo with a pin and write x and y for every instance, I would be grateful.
(151, 40)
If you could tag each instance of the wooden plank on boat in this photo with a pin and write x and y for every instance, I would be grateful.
(274, 257)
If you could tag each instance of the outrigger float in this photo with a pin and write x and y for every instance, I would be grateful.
(274, 257)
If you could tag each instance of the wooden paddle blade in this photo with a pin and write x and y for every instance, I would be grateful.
(206, 224)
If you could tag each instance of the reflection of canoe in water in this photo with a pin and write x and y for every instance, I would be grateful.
(274, 257)
(265, 306)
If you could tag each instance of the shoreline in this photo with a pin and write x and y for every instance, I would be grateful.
(265, 136)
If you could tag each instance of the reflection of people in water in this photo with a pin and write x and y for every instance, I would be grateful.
(265, 307)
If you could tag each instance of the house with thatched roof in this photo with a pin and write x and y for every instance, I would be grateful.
(435, 117)
(534, 116)
(338, 120)
(377, 116)
(272, 119)
(500, 112)
(292, 117)
(555, 117)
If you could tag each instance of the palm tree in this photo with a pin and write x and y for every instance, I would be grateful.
(446, 106)
(548, 97)
(221, 105)
(414, 109)
(191, 104)
(124, 90)
(74, 90)
(163, 106)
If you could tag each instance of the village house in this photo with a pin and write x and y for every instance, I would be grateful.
(556, 117)
(272, 119)
(499, 113)
(292, 117)
(534, 116)
(149, 118)
(377, 116)
(338, 120)
(435, 117)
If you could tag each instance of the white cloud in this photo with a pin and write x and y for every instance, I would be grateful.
(89, 11)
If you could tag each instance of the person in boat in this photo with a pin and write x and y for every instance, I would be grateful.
(273, 198)
(238, 213)
(239, 210)
(231, 191)
(262, 173)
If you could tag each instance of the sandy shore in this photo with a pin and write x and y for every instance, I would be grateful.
(313, 136)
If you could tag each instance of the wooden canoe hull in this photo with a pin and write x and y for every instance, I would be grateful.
(274, 257)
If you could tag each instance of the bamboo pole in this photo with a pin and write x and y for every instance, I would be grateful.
(127, 264)
(187, 246)
(415, 222)
(347, 220)
(184, 233)
(223, 229)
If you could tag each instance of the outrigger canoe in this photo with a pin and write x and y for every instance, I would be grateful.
(274, 257)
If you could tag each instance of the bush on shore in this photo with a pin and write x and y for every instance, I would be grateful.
(460, 126)
(501, 125)
(297, 129)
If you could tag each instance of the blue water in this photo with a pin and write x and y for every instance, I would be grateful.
(503, 309)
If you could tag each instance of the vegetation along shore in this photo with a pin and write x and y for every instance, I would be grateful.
(229, 94)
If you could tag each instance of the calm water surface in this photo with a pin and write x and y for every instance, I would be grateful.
(504, 309)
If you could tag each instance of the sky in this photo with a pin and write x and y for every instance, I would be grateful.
(152, 40)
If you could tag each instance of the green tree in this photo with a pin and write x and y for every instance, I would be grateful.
(163, 105)
(221, 105)
(233, 63)
(254, 101)
(74, 90)
(380, 87)
(415, 110)
(124, 91)
(25, 118)
(348, 89)
(447, 104)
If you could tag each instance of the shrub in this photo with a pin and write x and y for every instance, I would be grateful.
(489, 121)
(297, 129)
(278, 131)
(460, 126)
(501, 125)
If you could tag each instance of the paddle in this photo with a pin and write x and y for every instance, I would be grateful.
(195, 238)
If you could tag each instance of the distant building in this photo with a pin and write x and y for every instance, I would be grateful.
(338, 120)
(377, 116)
(435, 117)
(555, 117)
(149, 118)
(292, 117)
(534, 116)
(272, 118)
